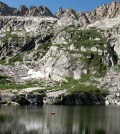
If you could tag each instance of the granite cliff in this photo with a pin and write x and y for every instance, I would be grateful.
(71, 51)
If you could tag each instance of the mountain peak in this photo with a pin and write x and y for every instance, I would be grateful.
(59, 13)
(106, 10)
(5, 10)
(21, 11)
(39, 11)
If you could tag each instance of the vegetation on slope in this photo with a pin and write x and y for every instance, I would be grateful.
(7, 83)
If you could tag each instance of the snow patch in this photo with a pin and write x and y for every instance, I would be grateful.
(33, 74)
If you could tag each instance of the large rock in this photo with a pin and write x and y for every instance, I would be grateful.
(7, 97)
(21, 99)
(56, 65)
(83, 98)
(35, 99)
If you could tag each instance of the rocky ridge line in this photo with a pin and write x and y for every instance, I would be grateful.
(80, 18)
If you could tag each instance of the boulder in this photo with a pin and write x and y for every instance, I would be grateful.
(21, 99)
(35, 99)
(83, 98)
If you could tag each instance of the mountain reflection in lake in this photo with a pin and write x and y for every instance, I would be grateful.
(67, 120)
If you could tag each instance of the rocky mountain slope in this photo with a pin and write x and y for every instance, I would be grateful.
(70, 50)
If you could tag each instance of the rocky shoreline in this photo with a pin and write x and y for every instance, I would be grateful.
(57, 97)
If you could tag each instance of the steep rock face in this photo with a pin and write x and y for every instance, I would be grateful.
(68, 57)
(112, 78)
(69, 53)
(106, 10)
(5, 10)
(70, 17)
(34, 44)
(97, 14)
(114, 9)
(82, 19)
(21, 11)
(39, 11)
(66, 17)
(69, 13)
(59, 13)
(26, 26)
(57, 64)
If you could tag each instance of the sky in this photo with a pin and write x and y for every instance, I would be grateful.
(53, 5)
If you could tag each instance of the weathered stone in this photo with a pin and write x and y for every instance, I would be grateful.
(12, 103)
(22, 100)
(35, 99)
(39, 11)
(82, 98)
(30, 43)
(118, 94)
(94, 49)
(83, 49)
(107, 102)
(6, 10)
(118, 103)
(6, 97)
(21, 11)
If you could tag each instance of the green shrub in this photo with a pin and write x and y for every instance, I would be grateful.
(16, 58)
(2, 62)
(117, 68)
(57, 102)
(80, 85)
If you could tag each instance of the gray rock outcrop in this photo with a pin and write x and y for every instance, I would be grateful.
(39, 11)
(83, 98)
(21, 11)
(5, 10)
(37, 45)
(21, 99)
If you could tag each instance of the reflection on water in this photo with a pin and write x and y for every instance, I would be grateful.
(67, 120)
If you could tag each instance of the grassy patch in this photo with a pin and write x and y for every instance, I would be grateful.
(5, 83)
(78, 85)
(2, 62)
(14, 37)
(117, 68)
(57, 102)
(86, 38)
(16, 58)
(93, 64)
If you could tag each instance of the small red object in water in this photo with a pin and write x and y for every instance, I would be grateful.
(51, 113)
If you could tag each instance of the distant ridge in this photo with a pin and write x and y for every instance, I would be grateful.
(106, 10)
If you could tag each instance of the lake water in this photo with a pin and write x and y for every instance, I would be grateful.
(66, 120)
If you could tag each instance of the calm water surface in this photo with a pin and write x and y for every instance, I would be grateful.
(67, 120)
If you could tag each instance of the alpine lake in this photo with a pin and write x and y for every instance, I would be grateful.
(52, 119)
